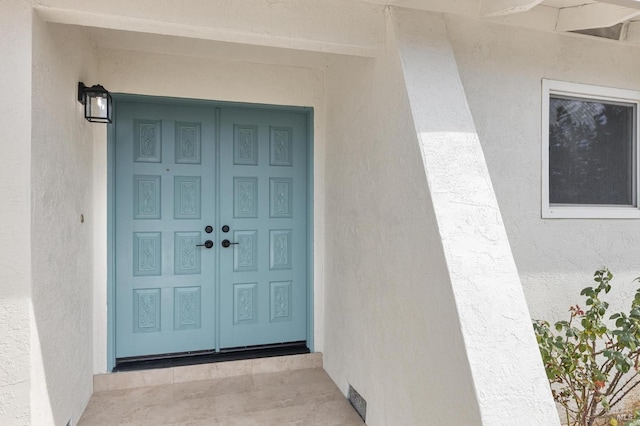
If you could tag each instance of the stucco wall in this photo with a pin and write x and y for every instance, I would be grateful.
(62, 243)
(146, 73)
(392, 329)
(15, 244)
(556, 258)
(489, 298)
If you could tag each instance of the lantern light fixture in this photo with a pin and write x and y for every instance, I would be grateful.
(97, 101)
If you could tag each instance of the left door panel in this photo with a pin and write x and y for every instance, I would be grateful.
(165, 199)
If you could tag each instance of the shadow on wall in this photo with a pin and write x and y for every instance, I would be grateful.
(388, 292)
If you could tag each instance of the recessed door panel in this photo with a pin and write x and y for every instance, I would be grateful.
(263, 185)
(165, 196)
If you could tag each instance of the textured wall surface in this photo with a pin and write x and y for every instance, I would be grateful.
(15, 273)
(556, 258)
(391, 263)
(155, 74)
(392, 328)
(61, 164)
(491, 306)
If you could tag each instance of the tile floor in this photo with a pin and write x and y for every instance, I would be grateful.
(304, 396)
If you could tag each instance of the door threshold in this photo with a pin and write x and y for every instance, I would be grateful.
(208, 356)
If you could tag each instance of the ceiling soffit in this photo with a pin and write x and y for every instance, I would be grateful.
(612, 19)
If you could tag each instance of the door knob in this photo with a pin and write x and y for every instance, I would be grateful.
(208, 244)
(227, 243)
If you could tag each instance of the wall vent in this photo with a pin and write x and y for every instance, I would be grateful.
(358, 402)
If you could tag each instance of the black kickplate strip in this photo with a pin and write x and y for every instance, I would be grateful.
(203, 357)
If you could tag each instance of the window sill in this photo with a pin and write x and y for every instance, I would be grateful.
(586, 212)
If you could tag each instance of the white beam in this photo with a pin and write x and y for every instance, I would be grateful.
(633, 32)
(454, 7)
(542, 18)
(506, 7)
(595, 15)
(330, 26)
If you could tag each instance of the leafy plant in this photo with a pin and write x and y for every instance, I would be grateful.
(590, 366)
(635, 421)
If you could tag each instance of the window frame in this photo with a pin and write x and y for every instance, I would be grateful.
(589, 93)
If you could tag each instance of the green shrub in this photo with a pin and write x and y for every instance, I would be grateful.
(590, 366)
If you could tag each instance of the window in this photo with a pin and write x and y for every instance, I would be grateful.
(589, 151)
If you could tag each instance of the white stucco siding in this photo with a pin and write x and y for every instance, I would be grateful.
(145, 73)
(15, 244)
(61, 221)
(490, 302)
(392, 328)
(502, 69)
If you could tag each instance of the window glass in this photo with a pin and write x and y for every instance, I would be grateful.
(591, 152)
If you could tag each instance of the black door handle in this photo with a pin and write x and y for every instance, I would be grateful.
(227, 243)
(208, 244)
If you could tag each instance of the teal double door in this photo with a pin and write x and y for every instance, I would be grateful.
(211, 227)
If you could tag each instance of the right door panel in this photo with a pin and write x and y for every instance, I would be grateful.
(263, 201)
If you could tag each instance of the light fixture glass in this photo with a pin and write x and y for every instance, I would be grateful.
(97, 101)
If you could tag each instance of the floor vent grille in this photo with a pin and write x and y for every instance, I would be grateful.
(358, 403)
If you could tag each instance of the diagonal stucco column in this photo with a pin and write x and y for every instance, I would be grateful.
(509, 379)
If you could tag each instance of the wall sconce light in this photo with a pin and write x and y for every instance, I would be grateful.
(98, 105)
